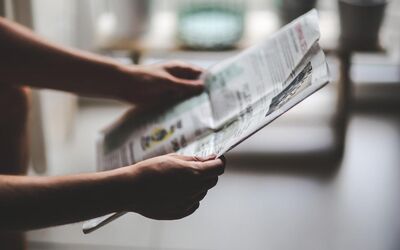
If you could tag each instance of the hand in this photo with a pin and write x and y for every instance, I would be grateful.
(171, 186)
(163, 83)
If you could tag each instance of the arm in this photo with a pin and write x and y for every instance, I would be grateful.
(165, 187)
(26, 59)
(35, 202)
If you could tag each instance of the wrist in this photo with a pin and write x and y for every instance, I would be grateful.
(123, 84)
(121, 184)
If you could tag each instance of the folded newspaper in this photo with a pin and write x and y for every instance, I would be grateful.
(242, 95)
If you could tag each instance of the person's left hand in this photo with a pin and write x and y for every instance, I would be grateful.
(158, 84)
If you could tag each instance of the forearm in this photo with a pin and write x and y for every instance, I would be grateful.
(36, 202)
(26, 59)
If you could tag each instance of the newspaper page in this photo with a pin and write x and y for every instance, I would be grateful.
(242, 95)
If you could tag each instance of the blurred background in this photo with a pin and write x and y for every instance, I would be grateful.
(326, 175)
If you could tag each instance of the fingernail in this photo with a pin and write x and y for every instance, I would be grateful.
(210, 157)
(205, 158)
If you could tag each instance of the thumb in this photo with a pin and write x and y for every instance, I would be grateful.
(184, 71)
(188, 86)
(211, 168)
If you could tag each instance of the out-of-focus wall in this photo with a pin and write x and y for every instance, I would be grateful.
(56, 21)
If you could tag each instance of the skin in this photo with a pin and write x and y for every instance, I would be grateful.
(26, 59)
(165, 187)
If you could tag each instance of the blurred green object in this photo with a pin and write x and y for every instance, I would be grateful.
(210, 25)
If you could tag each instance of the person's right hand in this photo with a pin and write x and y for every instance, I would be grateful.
(171, 186)
(158, 84)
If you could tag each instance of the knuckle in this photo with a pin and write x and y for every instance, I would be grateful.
(196, 158)
(188, 168)
(192, 158)
(195, 167)
(169, 161)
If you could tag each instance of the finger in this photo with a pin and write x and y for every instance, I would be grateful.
(195, 190)
(200, 196)
(196, 197)
(172, 214)
(199, 190)
(187, 202)
(211, 168)
(210, 183)
(180, 63)
(184, 70)
(183, 157)
(188, 212)
(206, 158)
(182, 88)
(192, 209)
(193, 157)
(187, 84)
